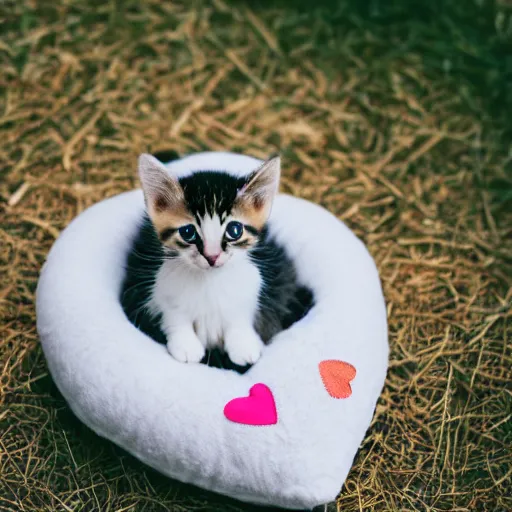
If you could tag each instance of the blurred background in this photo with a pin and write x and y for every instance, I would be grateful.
(394, 115)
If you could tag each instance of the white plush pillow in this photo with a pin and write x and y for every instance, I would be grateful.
(306, 420)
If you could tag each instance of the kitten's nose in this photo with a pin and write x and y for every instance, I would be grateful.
(211, 258)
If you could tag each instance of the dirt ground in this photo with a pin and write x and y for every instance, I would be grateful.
(394, 116)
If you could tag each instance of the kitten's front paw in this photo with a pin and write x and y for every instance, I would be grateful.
(186, 348)
(243, 346)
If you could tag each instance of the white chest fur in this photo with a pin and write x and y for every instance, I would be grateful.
(213, 302)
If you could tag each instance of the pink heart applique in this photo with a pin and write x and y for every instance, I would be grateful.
(259, 408)
(336, 376)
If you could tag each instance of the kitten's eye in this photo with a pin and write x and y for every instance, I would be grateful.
(188, 233)
(234, 230)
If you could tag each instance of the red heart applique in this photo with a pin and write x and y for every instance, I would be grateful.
(259, 408)
(336, 376)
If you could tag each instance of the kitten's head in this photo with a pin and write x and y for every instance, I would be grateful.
(208, 217)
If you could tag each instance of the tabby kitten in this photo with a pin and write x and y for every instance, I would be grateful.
(218, 277)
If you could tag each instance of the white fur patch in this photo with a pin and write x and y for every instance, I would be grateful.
(213, 232)
(214, 302)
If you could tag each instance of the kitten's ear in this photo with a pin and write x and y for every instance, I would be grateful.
(161, 190)
(261, 187)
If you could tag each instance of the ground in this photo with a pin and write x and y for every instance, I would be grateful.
(393, 115)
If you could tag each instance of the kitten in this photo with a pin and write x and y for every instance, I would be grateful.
(216, 277)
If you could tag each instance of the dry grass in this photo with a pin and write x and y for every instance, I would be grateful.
(393, 117)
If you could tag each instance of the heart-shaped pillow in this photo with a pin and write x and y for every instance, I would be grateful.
(171, 415)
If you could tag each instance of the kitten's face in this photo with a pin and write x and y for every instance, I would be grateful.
(207, 218)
